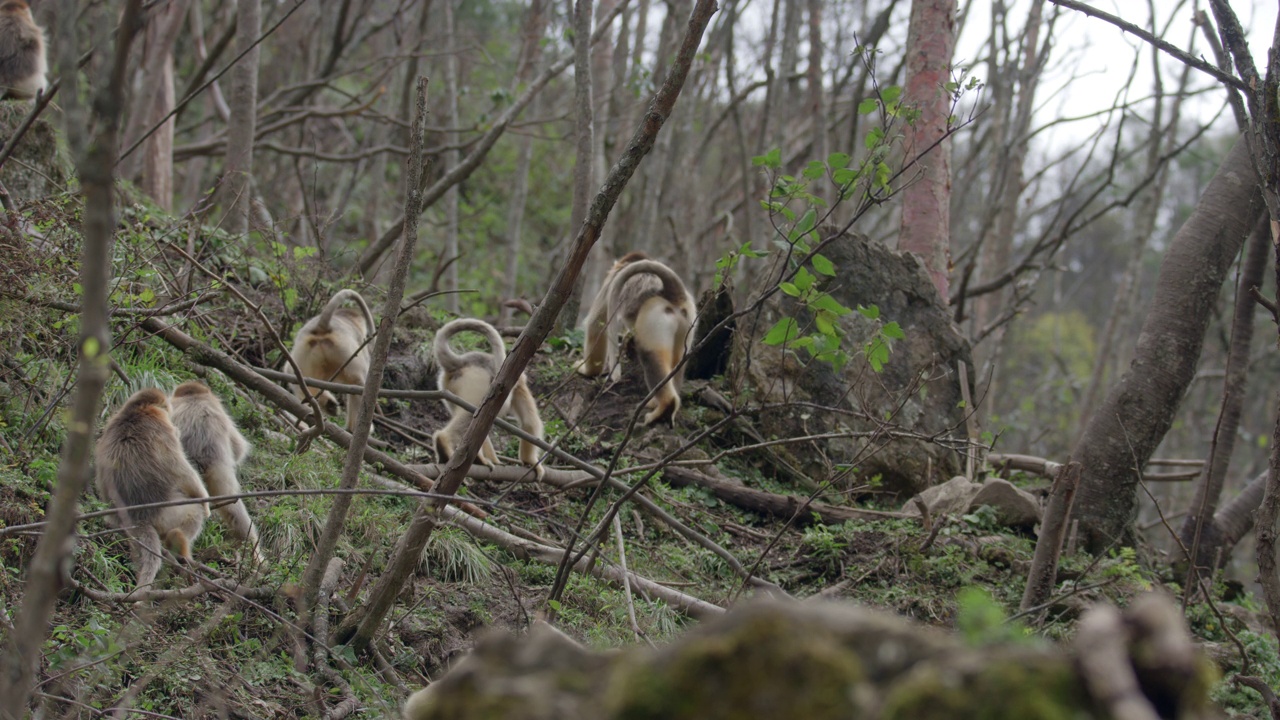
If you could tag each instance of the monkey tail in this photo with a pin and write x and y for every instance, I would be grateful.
(673, 289)
(326, 315)
(450, 361)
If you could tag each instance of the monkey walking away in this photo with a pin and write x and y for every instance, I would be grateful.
(214, 446)
(331, 346)
(140, 461)
(22, 58)
(469, 376)
(647, 299)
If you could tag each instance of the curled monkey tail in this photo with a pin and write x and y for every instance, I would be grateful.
(326, 315)
(450, 361)
(673, 289)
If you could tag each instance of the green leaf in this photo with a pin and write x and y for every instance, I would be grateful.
(825, 322)
(829, 304)
(892, 330)
(814, 170)
(807, 221)
(77, 288)
(891, 93)
(555, 605)
(771, 159)
(823, 265)
(783, 331)
(837, 160)
(843, 176)
(92, 347)
(804, 279)
(870, 312)
(868, 106)
(789, 288)
(748, 252)
(874, 137)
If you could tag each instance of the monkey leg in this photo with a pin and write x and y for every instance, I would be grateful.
(236, 517)
(145, 550)
(526, 410)
(182, 526)
(666, 400)
(593, 349)
(444, 446)
(353, 411)
(487, 456)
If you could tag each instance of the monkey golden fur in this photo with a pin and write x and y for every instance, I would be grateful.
(647, 299)
(469, 376)
(214, 446)
(327, 341)
(140, 461)
(22, 56)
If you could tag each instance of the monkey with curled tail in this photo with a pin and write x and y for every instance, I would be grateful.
(214, 446)
(332, 346)
(647, 299)
(469, 376)
(22, 55)
(139, 460)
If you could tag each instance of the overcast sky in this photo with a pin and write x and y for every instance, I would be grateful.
(1093, 60)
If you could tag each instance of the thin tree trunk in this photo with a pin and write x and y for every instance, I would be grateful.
(1013, 133)
(359, 628)
(336, 520)
(926, 203)
(153, 100)
(1209, 489)
(584, 146)
(816, 112)
(97, 180)
(531, 53)
(243, 99)
(1139, 409)
(451, 158)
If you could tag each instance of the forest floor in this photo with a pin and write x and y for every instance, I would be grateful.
(222, 656)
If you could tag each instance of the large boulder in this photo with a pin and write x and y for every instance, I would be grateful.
(918, 389)
(827, 661)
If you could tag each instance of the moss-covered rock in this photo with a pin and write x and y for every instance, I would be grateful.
(817, 661)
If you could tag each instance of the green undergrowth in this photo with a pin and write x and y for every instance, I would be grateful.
(220, 656)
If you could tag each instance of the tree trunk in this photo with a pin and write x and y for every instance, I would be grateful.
(814, 78)
(153, 100)
(1209, 488)
(926, 203)
(1139, 409)
(238, 175)
(451, 158)
(584, 146)
(531, 53)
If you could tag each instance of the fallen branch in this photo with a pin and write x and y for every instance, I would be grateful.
(772, 504)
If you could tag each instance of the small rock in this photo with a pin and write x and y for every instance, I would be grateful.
(1014, 507)
(952, 496)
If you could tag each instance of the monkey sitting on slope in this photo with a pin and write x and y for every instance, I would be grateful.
(140, 461)
(214, 446)
(331, 346)
(643, 297)
(469, 376)
(22, 56)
